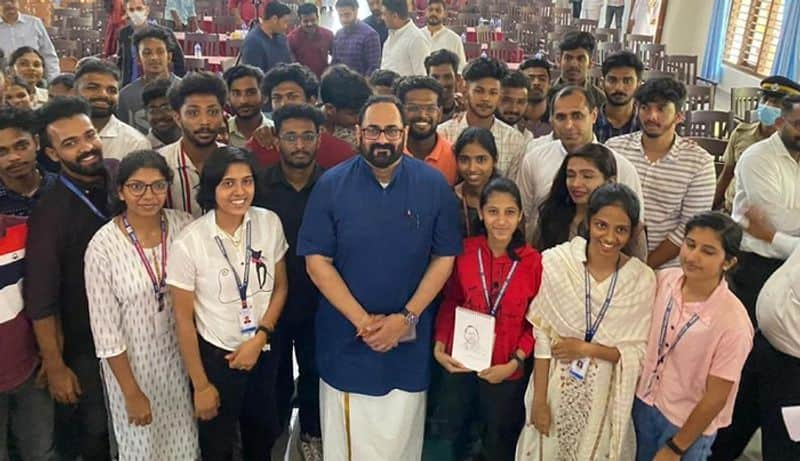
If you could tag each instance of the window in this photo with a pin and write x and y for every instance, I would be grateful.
(753, 31)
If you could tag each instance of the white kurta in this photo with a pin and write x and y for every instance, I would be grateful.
(122, 311)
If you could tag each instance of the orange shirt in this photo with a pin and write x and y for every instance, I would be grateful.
(442, 158)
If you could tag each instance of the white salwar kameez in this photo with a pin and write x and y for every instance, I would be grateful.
(591, 418)
(358, 427)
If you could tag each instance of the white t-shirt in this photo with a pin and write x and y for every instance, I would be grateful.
(197, 264)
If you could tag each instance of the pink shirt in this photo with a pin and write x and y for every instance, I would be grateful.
(717, 344)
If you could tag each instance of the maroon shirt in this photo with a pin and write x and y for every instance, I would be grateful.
(311, 50)
(332, 151)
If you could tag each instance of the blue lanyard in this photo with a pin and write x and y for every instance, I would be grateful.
(159, 284)
(591, 328)
(74, 189)
(501, 293)
(241, 285)
(662, 337)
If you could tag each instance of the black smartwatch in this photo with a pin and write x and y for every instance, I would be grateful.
(520, 361)
(675, 448)
(267, 331)
(410, 318)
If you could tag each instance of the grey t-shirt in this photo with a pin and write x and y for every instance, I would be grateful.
(130, 107)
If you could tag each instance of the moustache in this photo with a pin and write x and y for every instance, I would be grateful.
(93, 152)
(92, 101)
(390, 147)
(622, 95)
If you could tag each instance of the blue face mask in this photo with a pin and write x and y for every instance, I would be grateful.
(768, 114)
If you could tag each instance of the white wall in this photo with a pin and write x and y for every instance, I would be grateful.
(686, 32)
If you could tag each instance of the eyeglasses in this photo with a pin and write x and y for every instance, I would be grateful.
(306, 138)
(138, 188)
(372, 133)
(416, 108)
(162, 109)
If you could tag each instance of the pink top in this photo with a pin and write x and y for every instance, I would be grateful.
(717, 344)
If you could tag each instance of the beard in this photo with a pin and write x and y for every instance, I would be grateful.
(434, 21)
(419, 135)
(191, 136)
(299, 163)
(619, 99)
(102, 112)
(95, 169)
(791, 142)
(509, 118)
(249, 112)
(383, 159)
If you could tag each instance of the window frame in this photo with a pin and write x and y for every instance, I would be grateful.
(744, 42)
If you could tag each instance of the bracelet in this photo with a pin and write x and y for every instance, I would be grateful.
(267, 331)
(675, 448)
(520, 361)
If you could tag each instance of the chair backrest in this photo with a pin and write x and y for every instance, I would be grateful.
(232, 47)
(699, 97)
(468, 19)
(194, 64)
(613, 33)
(225, 24)
(653, 55)
(66, 47)
(707, 124)
(472, 50)
(586, 25)
(209, 43)
(80, 23)
(634, 41)
(684, 67)
(562, 16)
(596, 76)
(505, 51)
(604, 49)
(651, 74)
(484, 34)
(744, 100)
(715, 147)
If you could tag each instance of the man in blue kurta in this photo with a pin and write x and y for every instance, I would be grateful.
(380, 234)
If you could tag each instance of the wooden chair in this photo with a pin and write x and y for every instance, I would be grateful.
(651, 74)
(80, 23)
(472, 50)
(596, 76)
(715, 147)
(233, 47)
(744, 100)
(90, 41)
(613, 33)
(586, 25)
(707, 124)
(66, 47)
(604, 49)
(208, 42)
(485, 34)
(653, 56)
(633, 42)
(699, 97)
(194, 64)
(468, 19)
(561, 30)
(562, 16)
(225, 24)
(684, 67)
(505, 51)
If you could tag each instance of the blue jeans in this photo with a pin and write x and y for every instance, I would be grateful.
(28, 410)
(653, 430)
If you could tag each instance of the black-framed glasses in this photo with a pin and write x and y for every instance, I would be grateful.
(418, 108)
(291, 138)
(138, 188)
(372, 133)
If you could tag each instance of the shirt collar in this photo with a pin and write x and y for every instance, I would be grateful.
(703, 309)
(441, 145)
(233, 129)
(21, 18)
(111, 130)
(779, 146)
(274, 175)
(403, 29)
(564, 149)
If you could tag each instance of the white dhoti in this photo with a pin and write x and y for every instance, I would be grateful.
(358, 427)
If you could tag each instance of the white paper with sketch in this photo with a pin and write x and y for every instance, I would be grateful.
(791, 417)
(473, 339)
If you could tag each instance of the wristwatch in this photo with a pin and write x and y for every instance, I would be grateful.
(267, 331)
(675, 448)
(410, 318)
(520, 361)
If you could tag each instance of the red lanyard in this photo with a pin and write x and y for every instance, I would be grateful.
(186, 186)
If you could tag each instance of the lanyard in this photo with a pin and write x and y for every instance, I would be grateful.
(466, 215)
(159, 283)
(662, 337)
(591, 328)
(74, 189)
(241, 285)
(484, 285)
(186, 186)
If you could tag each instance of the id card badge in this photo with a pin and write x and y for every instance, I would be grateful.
(410, 336)
(579, 367)
(161, 320)
(247, 321)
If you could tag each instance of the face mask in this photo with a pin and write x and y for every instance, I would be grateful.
(138, 17)
(768, 114)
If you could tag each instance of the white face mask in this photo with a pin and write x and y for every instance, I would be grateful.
(138, 17)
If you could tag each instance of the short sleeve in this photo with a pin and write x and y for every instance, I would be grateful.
(730, 355)
(105, 313)
(317, 233)
(541, 349)
(181, 267)
(446, 233)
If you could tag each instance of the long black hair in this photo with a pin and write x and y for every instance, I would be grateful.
(558, 210)
(500, 185)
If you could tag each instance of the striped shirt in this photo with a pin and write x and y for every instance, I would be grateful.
(511, 146)
(675, 187)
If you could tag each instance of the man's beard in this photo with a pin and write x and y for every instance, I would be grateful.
(791, 142)
(292, 162)
(256, 111)
(102, 112)
(383, 160)
(510, 119)
(421, 135)
(190, 136)
(93, 170)
(623, 102)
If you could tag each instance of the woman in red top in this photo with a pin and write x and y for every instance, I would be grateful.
(511, 276)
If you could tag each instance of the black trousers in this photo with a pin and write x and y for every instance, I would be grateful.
(770, 380)
(247, 401)
(749, 276)
(300, 337)
(576, 8)
(82, 429)
(457, 397)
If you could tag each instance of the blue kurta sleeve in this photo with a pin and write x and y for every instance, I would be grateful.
(446, 233)
(317, 234)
